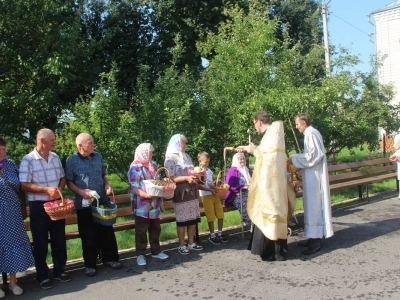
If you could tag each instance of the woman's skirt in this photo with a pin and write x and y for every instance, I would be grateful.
(186, 204)
(241, 205)
(15, 250)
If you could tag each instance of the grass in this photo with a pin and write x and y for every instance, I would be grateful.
(126, 239)
(119, 186)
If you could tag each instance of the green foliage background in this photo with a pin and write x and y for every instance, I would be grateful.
(249, 69)
(133, 72)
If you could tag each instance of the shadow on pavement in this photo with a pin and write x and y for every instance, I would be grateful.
(355, 223)
(368, 225)
(130, 268)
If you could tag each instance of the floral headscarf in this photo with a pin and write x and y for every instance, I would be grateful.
(142, 156)
(242, 169)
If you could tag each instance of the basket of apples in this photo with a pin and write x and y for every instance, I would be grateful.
(197, 171)
(221, 186)
(59, 209)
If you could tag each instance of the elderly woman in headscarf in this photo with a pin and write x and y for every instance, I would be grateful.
(186, 195)
(238, 178)
(145, 207)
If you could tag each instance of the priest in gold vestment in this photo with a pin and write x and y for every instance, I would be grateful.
(271, 198)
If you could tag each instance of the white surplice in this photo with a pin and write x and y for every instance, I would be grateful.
(396, 147)
(316, 193)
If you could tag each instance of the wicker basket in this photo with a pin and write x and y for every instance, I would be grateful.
(221, 186)
(160, 188)
(105, 216)
(59, 209)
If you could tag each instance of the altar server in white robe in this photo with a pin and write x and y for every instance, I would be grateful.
(316, 193)
(395, 157)
(396, 145)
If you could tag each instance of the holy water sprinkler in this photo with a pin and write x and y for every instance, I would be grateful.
(249, 133)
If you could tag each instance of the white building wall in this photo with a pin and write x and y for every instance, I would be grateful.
(388, 48)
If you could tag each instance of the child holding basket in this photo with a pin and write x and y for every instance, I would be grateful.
(211, 202)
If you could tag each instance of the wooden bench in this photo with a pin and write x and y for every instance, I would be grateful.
(124, 210)
(360, 174)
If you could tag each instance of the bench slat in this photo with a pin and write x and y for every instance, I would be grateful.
(124, 198)
(362, 173)
(124, 212)
(169, 204)
(358, 164)
(362, 181)
(373, 170)
(71, 234)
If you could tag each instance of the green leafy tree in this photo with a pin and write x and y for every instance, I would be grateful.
(17, 148)
(107, 119)
(262, 55)
(300, 20)
(41, 57)
(128, 42)
(168, 108)
(155, 115)
(354, 105)
(252, 69)
(191, 19)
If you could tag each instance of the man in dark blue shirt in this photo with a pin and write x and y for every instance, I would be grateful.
(85, 173)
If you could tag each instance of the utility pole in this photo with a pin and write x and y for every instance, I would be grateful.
(326, 38)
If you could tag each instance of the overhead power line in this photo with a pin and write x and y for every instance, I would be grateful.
(350, 24)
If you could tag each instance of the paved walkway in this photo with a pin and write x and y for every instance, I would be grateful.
(361, 261)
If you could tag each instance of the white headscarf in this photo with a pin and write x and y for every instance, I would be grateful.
(174, 148)
(242, 169)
